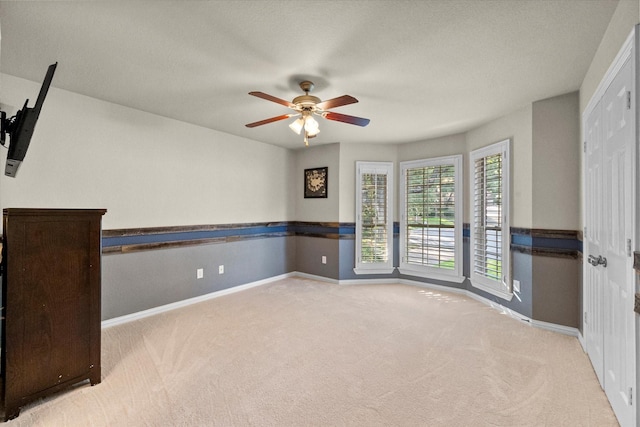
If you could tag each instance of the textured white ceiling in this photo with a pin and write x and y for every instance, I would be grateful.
(420, 69)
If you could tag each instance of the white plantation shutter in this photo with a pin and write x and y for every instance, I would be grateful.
(374, 224)
(487, 259)
(431, 221)
(490, 219)
(374, 218)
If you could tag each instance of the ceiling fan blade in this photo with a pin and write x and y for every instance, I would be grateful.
(272, 98)
(337, 102)
(352, 120)
(271, 120)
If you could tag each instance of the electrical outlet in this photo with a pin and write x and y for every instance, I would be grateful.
(516, 286)
(221, 269)
(324, 259)
(200, 273)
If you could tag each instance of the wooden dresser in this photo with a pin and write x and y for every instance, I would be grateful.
(51, 303)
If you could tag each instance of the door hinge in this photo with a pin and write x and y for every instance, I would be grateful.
(630, 396)
(585, 317)
(584, 146)
(584, 233)
(628, 247)
(629, 100)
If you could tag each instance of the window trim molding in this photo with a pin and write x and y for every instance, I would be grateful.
(456, 275)
(498, 288)
(374, 268)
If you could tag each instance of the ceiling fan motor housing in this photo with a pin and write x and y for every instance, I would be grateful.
(306, 102)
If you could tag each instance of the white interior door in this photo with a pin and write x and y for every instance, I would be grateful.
(618, 156)
(593, 277)
(609, 320)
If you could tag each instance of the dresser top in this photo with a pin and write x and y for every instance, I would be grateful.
(51, 212)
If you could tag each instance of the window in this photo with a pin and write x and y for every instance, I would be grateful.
(490, 233)
(431, 219)
(374, 225)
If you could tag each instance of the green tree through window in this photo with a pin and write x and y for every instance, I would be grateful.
(431, 221)
(430, 204)
(374, 218)
(490, 237)
(374, 223)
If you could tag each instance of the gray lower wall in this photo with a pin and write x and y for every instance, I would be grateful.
(556, 296)
(522, 302)
(309, 253)
(137, 281)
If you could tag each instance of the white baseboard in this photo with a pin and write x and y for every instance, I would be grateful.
(314, 277)
(566, 330)
(583, 343)
(178, 304)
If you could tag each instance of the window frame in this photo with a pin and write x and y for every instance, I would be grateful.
(451, 275)
(501, 288)
(386, 267)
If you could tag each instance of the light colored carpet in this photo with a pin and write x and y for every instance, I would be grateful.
(299, 352)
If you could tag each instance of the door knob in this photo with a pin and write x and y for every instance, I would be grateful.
(600, 260)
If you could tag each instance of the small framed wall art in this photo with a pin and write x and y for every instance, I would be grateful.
(315, 183)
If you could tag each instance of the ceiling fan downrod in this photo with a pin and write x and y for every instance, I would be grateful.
(306, 102)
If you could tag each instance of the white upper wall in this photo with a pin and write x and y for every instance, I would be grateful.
(146, 170)
(436, 147)
(318, 209)
(556, 163)
(349, 155)
(516, 126)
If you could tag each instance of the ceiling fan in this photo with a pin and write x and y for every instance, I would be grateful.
(306, 106)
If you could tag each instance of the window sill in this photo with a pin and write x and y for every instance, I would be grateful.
(429, 275)
(508, 296)
(382, 270)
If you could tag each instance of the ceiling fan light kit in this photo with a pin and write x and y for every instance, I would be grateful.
(297, 125)
(306, 106)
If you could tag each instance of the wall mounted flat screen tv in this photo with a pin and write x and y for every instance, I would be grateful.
(21, 126)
